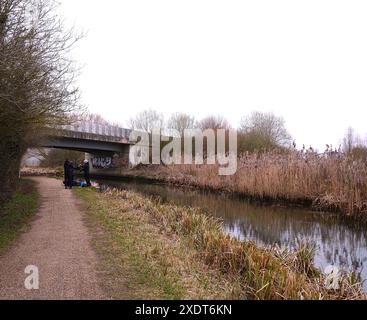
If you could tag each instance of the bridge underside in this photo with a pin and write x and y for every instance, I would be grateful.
(85, 145)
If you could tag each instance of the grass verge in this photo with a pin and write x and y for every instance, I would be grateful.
(142, 260)
(16, 213)
(152, 250)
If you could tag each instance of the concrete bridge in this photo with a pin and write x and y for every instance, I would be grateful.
(89, 137)
(106, 147)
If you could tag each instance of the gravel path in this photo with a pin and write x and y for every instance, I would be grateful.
(58, 243)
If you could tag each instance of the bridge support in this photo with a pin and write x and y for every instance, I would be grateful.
(108, 163)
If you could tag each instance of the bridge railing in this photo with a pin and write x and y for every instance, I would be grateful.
(98, 129)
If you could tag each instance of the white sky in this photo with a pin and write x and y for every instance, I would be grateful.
(303, 60)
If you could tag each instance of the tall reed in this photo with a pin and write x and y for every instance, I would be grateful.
(330, 183)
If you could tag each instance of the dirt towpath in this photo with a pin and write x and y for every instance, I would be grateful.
(58, 244)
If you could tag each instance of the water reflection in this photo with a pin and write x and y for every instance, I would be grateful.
(339, 241)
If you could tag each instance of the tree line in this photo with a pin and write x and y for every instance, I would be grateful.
(37, 76)
(258, 131)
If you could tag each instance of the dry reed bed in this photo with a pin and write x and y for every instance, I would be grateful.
(262, 273)
(328, 183)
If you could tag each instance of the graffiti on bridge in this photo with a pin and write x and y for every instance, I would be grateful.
(104, 162)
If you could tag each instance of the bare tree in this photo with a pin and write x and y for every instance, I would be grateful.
(147, 120)
(351, 140)
(354, 145)
(180, 122)
(93, 117)
(214, 122)
(266, 127)
(37, 76)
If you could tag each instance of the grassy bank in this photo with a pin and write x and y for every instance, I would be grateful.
(160, 251)
(141, 259)
(17, 212)
(337, 183)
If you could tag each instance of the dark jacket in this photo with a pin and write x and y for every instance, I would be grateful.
(66, 169)
(71, 169)
(86, 169)
(66, 165)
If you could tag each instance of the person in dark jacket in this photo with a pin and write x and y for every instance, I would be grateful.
(70, 174)
(66, 173)
(86, 172)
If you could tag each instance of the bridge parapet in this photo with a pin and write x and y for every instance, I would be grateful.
(95, 131)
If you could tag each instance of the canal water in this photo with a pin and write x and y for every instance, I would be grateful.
(338, 240)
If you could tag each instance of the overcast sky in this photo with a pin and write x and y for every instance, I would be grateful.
(303, 60)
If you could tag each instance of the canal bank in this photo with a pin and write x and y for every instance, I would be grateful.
(187, 182)
(337, 240)
(176, 248)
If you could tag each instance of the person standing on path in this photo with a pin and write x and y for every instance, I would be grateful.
(66, 173)
(86, 172)
(70, 171)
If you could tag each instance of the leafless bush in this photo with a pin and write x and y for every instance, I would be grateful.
(37, 77)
